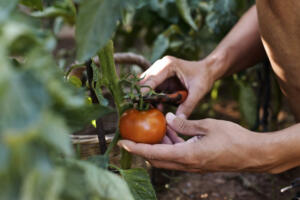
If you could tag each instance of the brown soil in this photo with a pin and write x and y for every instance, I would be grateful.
(227, 186)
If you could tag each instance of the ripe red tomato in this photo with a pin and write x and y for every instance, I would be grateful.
(143, 126)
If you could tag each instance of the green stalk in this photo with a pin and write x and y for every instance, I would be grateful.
(125, 159)
(111, 81)
(110, 77)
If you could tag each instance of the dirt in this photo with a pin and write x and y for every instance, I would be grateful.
(226, 186)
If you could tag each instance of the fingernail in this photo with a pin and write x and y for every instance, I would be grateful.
(170, 117)
(142, 76)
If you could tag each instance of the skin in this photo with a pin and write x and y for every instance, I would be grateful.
(217, 145)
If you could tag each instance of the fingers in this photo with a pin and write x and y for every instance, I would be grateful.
(165, 152)
(173, 136)
(186, 127)
(158, 73)
(187, 107)
(166, 140)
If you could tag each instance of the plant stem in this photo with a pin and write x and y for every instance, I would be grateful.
(110, 77)
(113, 143)
(125, 159)
(111, 81)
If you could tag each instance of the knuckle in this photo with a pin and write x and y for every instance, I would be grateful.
(148, 154)
(169, 61)
(207, 121)
(181, 124)
(151, 81)
(169, 58)
(205, 124)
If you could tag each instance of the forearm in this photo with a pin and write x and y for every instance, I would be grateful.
(283, 148)
(240, 49)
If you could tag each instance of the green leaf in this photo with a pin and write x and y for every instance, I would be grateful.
(4, 158)
(97, 88)
(65, 9)
(22, 99)
(6, 7)
(94, 182)
(56, 185)
(78, 117)
(34, 4)
(96, 22)
(162, 42)
(55, 133)
(185, 13)
(75, 81)
(139, 183)
(222, 16)
(160, 46)
(38, 185)
(50, 12)
(248, 103)
(99, 160)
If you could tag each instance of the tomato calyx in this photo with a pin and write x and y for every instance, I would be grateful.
(134, 97)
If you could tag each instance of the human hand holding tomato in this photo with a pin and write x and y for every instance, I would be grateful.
(173, 74)
(217, 145)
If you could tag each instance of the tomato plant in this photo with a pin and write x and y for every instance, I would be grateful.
(147, 126)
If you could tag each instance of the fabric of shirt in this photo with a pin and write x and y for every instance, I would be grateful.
(279, 22)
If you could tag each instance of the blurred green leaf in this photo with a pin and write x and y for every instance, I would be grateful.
(37, 182)
(221, 16)
(56, 136)
(101, 161)
(6, 7)
(75, 81)
(160, 46)
(185, 13)
(79, 117)
(93, 182)
(34, 4)
(22, 99)
(4, 157)
(139, 183)
(65, 9)
(93, 26)
(248, 104)
(97, 85)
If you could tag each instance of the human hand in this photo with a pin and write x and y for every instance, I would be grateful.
(196, 77)
(217, 145)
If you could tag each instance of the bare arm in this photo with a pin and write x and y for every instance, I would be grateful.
(285, 148)
(241, 48)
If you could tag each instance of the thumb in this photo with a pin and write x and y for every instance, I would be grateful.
(183, 126)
